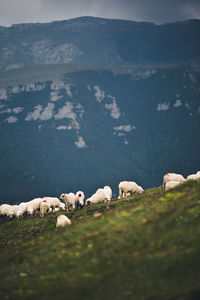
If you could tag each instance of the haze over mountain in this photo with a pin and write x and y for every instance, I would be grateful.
(90, 101)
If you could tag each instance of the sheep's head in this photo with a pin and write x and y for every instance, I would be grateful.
(62, 196)
(140, 190)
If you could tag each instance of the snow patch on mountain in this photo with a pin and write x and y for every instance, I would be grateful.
(47, 113)
(45, 52)
(3, 94)
(163, 106)
(123, 129)
(35, 115)
(12, 119)
(178, 103)
(54, 96)
(64, 127)
(80, 143)
(141, 74)
(99, 93)
(66, 112)
(113, 107)
(187, 105)
(30, 87)
(15, 110)
(59, 85)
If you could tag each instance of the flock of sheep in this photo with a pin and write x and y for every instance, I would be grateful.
(45, 205)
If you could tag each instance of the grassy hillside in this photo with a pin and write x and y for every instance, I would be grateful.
(145, 247)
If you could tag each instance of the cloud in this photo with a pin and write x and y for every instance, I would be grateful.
(158, 11)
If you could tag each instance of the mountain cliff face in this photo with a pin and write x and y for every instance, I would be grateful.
(88, 40)
(66, 127)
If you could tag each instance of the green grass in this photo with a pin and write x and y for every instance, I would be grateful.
(145, 247)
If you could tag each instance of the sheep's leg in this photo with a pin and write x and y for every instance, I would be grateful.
(120, 192)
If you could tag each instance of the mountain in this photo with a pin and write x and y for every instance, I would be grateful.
(89, 40)
(66, 127)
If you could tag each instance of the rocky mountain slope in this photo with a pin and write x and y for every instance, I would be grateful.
(89, 40)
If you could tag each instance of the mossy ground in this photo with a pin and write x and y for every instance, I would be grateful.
(145, 247)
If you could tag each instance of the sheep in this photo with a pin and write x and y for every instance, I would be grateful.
(62, 221)
(171, 184)
(131, 187)
(99, 196)
(22, 209)
(62, 206)
(172, 177)
(53, 202)
(193, 176)
(44, 207)
(79, 198)
(108, 193)
(70, 200)
(8, 210)
(33, 206)
(15, 209)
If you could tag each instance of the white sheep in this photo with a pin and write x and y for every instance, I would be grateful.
(62, 206)
(173, 177)
(8, 210)
(53, 202)
(171, 184)
(44, 207)
(70, 200)
(99, 196)
(193, 176)
(33, 206)
(62, 221)
(22, 209)
(126, 187)
(79, 198)
(108, 193)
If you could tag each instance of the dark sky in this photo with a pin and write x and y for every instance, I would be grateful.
(157, 11)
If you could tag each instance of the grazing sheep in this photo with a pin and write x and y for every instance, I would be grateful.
(22, 209)
(193, 176)
(8, 210)
(62, 206)
(44, 207)
(108, 193)
(53, 202)
(15, 209)
(99, 196)
(171, 184)
(70, 200)
(33, 206)
(79, 198)
(62, 221)
(172, 177)
(126, 187)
